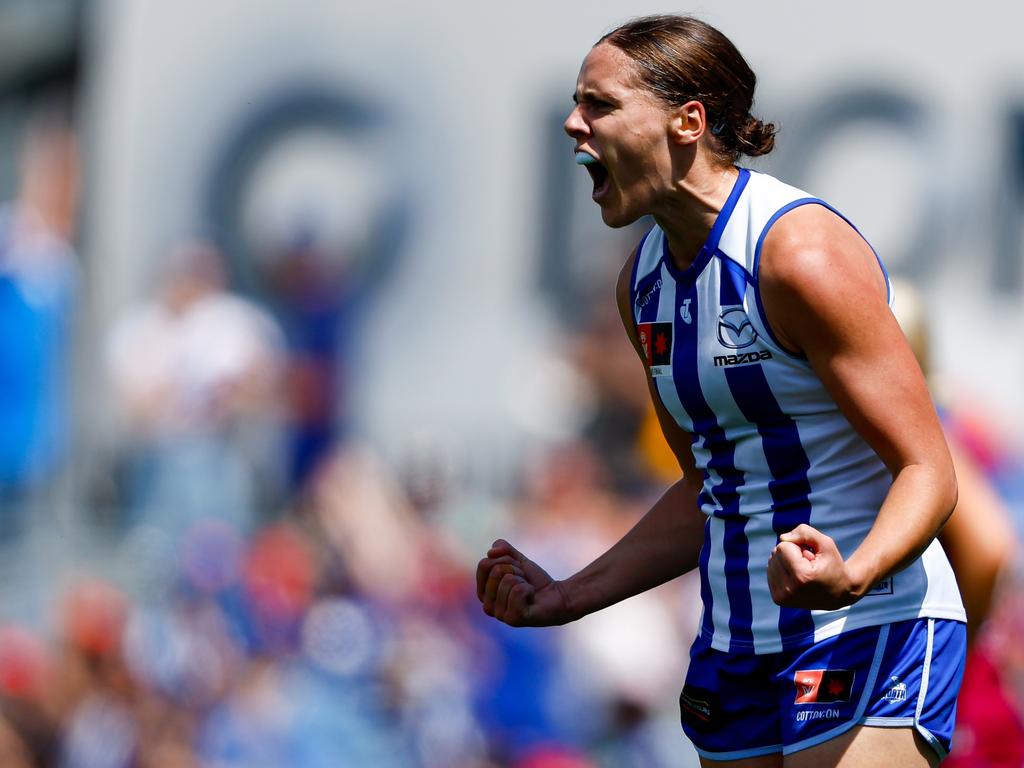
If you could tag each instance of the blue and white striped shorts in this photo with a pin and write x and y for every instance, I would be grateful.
(900, 675)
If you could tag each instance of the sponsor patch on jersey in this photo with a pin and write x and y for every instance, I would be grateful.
(884, 587)
(735, 330)
(743, 358)
(896, 692)
(656, 342)
(643, 301)
(823, 686)
(817, 714)
(697, 705)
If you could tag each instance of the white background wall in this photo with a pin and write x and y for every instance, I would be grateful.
(470, 84)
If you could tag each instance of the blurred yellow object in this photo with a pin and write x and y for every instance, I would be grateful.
(657, 456)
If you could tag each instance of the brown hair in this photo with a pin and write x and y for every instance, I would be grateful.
(681, 59)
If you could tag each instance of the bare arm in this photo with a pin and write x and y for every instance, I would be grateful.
(979, 540)
(665, 542)
(825, 297)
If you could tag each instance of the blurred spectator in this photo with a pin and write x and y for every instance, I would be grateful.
(197, 376)
(366, 517)
(38, 288)
(315, 300)
(28, 730)
(28, 738)
(621, 402)
(94, 692)
(981, 544)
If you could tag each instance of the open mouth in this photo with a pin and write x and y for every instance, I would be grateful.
(598, 173)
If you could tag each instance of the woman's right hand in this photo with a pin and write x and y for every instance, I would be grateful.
(517, 591)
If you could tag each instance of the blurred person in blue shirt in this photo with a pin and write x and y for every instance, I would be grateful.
(38, 287)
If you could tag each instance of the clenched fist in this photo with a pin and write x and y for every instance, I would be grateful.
(806, 570)
(517, 591)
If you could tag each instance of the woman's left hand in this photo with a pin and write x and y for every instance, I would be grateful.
(806, 570)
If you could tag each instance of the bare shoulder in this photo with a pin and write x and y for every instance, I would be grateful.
(813, 242)
(813, 264)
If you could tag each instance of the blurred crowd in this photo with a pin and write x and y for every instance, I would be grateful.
(263, 618)
(256, 588)
(237, 582)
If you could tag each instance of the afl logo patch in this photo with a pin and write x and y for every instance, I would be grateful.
(734, 328)
(656, 342)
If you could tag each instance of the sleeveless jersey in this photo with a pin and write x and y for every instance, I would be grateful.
(774, 448)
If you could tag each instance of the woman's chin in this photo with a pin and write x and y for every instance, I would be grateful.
(615, 216)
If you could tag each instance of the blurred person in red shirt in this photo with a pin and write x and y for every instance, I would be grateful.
(28, 727)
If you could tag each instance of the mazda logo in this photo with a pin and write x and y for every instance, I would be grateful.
(734, 328)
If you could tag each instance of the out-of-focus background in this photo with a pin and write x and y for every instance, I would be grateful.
(303, 304)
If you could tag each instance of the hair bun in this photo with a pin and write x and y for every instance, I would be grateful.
(755, 138)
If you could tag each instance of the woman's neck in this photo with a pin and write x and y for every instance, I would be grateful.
(688, 218)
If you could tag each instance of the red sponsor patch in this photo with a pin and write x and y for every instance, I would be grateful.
(656, 341)
(823, 686)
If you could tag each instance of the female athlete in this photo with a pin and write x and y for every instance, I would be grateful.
(815, 473)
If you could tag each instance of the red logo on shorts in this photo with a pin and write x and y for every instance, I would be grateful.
(823, 686)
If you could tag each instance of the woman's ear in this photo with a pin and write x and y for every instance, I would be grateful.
(688, 123)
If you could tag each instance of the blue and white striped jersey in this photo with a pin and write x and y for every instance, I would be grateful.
(773, 446)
